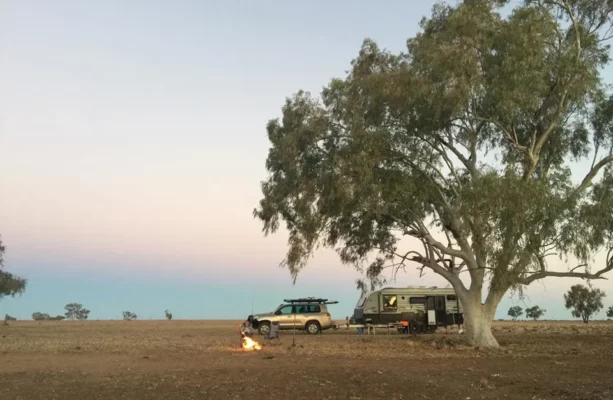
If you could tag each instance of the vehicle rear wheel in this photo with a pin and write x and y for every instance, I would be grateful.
(312, 327)
(264, 328)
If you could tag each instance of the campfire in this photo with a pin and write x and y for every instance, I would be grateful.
(250, 344)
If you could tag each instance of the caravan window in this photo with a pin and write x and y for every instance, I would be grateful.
(390, 302)
(417, 300)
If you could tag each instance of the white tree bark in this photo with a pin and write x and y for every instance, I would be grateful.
(478, 316)
(478, 325)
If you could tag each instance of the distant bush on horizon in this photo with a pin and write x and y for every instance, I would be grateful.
(38, 316)
(129, 316)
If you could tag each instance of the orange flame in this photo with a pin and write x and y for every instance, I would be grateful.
(250, 344)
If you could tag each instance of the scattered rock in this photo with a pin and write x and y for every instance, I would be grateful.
(485, 384)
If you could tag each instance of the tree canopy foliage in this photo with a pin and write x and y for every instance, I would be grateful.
(584, 301)
(535, 312)
(38, 316)
(129, 316)
(464, 142)
(515, 312)
(10, 285)
(76, 311)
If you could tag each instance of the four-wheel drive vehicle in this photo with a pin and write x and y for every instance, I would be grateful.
(310, 314)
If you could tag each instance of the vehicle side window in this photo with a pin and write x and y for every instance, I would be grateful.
(451, 297)
(390, 302)
(313, 309)
(417, 300)
(285, 310)
(302, 309)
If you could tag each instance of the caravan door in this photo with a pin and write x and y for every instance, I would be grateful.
(436, 308)
(430, 310)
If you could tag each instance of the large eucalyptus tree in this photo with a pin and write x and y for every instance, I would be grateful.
(466, 142)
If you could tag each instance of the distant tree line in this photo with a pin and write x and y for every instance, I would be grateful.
(584, 302)
(38, 316)
(534, 312)
(74, 311)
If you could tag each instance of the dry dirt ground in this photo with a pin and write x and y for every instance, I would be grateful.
(201, 360)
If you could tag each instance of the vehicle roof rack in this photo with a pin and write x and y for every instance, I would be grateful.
(310, 300)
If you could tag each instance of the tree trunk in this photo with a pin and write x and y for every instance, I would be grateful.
(478, 324)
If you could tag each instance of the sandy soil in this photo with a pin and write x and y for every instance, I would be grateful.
(202, 360)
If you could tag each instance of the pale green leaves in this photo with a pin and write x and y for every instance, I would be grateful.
(10, 285)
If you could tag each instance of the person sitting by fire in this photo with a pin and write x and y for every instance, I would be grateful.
(245, 329)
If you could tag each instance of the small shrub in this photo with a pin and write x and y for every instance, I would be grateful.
(38, 316)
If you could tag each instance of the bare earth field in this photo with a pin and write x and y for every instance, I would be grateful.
(202, 360)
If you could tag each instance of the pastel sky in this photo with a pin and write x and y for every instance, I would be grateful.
(133, 142)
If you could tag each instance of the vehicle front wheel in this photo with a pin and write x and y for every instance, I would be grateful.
(312, 327)
(264, 328)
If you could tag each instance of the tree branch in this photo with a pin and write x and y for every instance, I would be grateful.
(424, 234)
(575, 26)
(437, 171)
(570, 274)
(433, 265)
(469, 166)
(585, 183)
(512, 137)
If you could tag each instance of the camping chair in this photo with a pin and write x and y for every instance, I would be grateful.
(274, 332)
